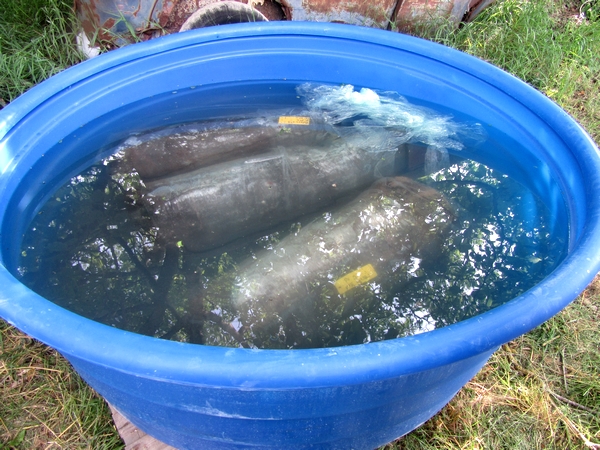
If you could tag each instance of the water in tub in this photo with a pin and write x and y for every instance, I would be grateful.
(349, 220)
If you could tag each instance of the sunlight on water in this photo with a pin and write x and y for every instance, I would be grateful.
(315, 230)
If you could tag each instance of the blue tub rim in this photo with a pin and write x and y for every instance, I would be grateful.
(288, 369)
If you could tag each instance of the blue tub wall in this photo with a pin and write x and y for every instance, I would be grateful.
(326, 416)
(205, 397)
(182, 393)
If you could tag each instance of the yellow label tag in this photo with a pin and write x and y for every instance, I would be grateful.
(294, 120)
(356, 278)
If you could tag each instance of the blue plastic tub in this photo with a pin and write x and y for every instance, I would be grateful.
(192, 396)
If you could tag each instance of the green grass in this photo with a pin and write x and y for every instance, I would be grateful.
(44, 403)
(543, 43)
(541, 390)
(36, 42)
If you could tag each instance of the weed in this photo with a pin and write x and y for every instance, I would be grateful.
(107, 39)
(36, 41)
(542, 389)
(546, 44)
(538, 391)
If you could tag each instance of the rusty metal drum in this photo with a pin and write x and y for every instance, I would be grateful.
(111, 23)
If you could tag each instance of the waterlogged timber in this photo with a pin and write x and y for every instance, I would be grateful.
(211, 206)
(192, 146)
(211, 183)
(388, 228)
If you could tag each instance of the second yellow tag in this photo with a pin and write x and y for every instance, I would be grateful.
(356, 278)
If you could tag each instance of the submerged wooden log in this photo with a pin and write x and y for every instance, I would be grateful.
(208, 207)
(366, 240)
(192, 146)
(311, 288)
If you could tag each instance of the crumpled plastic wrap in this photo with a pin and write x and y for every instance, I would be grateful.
(371, 112)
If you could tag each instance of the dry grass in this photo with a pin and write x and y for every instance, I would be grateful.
(541, 390)
(45, 404)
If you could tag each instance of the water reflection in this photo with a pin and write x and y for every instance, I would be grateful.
(95, 250)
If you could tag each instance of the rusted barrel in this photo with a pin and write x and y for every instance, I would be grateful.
(115, 23)
(401, 15)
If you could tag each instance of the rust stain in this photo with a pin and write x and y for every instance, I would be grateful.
(86, 12)
(137, 10)
(103, 35)
(179, 11)
(414, 12)
(109, 23)
(150, 17)
(167, 16)
(126, 9)
(378, 11)
(286, 8)
(165, 12)
(175, 12)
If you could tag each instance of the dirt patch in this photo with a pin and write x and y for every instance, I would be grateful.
(593, 290)
(271, 9)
